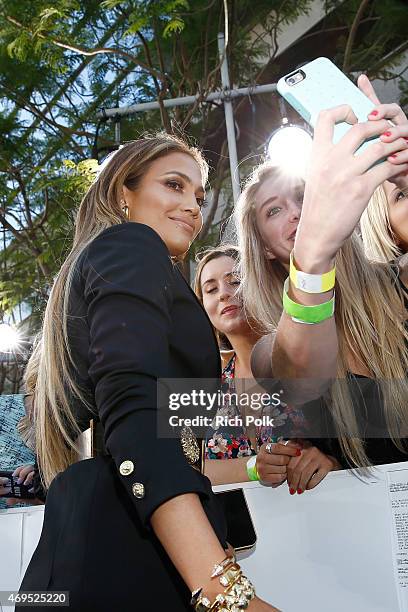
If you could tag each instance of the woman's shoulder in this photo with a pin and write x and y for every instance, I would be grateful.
(126, 249)
(138, 235)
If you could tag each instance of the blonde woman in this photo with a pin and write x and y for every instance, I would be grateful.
(217, 286)
(366, 341)
(122, 531)
(384, 223)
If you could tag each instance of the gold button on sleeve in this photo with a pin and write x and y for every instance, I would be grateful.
(126, 467)
(138, 490)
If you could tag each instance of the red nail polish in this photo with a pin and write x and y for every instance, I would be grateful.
(292, 491)
(298, 452)
(374, 112)
(387, 134)
(299, 491)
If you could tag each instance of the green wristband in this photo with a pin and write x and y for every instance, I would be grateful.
(306, 314)
(251, 469)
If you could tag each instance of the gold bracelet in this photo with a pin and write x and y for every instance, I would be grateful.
(219, 568)
(237, 595)
(199, 602)
(240, 593)
(230, 575)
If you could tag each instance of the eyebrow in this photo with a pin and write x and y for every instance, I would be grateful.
(296, 190)
(213, 280)
(185, 177)
(268, 201)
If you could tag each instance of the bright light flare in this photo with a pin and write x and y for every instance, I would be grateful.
(290, 148)
(9, 338)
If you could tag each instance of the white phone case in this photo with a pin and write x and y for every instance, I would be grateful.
(325, 86)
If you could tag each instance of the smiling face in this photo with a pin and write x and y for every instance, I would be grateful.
(219, 286)
(169, 199)
(278, 204)
(397, 200)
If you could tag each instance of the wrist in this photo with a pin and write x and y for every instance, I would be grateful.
(312, 260)
(236, 590)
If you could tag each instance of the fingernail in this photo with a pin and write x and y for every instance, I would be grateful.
(292, 491)
(374, 112)
(19, 481)
(299, 491)
(387, 134)
(298, 452)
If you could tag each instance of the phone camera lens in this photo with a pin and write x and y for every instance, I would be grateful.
(291, 80)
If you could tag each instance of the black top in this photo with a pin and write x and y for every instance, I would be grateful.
(371, 422)
(134, 319)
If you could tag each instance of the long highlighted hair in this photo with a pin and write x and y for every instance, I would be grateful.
(379, 240)
(101, 208)
(370, 319)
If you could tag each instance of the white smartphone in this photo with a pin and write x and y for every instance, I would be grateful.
(320, 85)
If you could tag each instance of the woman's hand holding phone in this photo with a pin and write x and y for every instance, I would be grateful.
(339, 184)
(398, 130)
(23, 475)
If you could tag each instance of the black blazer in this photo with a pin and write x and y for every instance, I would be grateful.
(134, 320)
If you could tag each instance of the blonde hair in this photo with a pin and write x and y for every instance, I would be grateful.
(101, 208)
(379, 240)
(26, 426)
(261, 278)
(203, 258)
(370, 318)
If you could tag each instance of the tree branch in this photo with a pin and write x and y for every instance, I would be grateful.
(221, 166)
(82, 51)
(353, 32)
(159, 90)
(71, 79)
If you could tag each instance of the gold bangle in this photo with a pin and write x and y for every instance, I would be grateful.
(237, 595)
(230, 575)
(219, 568)
(203, 605)
(240, 593)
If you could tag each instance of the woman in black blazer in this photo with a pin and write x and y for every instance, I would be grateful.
(137, 528)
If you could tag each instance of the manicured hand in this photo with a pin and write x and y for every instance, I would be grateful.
(308, 470)
(272, 461)
(24, 474)
(339, 184)
(393, 133)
